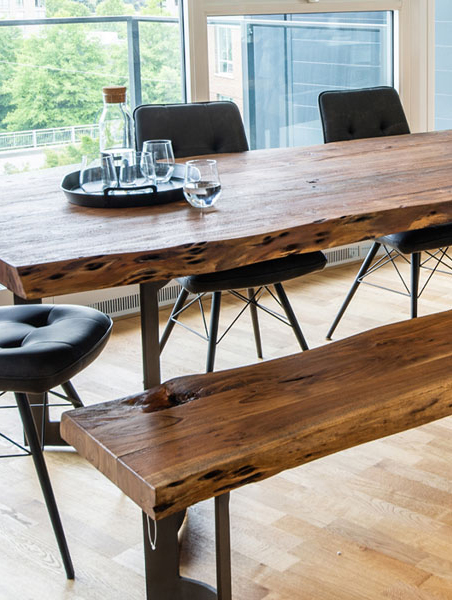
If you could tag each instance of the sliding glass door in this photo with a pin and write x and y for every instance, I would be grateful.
(275, 66)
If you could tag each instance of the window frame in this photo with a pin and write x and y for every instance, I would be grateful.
(413, 43)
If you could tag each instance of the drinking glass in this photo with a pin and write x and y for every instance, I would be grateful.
(97, 173)
(202, 186)
(162, 157)
(136, 169)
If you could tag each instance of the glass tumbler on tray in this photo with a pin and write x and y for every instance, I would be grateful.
(97, 173)
(162, 157)
(136, 169)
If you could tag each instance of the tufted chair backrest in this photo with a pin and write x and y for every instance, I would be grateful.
(194, 129)
(366, 113)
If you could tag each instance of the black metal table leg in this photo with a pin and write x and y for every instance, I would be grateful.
(150, 332)
(163, 581)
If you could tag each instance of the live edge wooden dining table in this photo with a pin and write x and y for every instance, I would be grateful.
(274, 203)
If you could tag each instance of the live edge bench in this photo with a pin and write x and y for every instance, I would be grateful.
(201, 436)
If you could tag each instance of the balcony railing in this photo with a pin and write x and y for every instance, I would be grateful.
(133, 43)
(38, 138)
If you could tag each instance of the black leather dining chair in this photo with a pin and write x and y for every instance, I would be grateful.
(211, 128)
(376, 112)
(42, 347)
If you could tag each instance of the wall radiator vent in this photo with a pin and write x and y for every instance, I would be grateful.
(118, 306)
(130, 304)
(338, 256)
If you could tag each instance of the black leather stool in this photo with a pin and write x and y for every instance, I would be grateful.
(41, 347)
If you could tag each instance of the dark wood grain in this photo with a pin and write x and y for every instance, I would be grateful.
(274, 203)
(199, 436)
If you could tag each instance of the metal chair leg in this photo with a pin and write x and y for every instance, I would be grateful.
(415, 269)
(255, 321)
(291, 316)
(72, 395)
(213, 331)
(362, 271)
(44, 481)
(170, 324)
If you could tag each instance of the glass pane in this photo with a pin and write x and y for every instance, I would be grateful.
(161, 74)
(443, 65)
(280, 64)
(52, 75)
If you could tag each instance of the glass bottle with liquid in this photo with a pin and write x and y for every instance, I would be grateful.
(115, 125)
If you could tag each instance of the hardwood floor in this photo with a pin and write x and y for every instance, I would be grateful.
(370, 523)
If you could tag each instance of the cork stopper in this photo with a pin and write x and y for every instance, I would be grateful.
(113, 94)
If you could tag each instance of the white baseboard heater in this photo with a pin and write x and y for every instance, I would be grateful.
(122, 301)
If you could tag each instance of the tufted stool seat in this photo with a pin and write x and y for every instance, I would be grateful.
(41, 347)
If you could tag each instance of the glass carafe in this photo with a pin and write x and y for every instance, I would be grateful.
(115, 125)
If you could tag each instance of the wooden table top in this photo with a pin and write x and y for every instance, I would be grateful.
(274, 203)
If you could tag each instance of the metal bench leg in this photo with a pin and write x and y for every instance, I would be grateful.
(44, 480)
(223, 547)
(163, 581)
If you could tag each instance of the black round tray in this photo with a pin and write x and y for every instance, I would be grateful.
(164, 193)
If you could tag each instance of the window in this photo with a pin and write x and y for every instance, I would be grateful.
(53, 89)
(223, 50)
(284, 61)
(443, 65)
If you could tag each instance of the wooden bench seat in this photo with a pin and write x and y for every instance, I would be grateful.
(200, 436)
